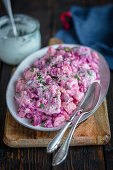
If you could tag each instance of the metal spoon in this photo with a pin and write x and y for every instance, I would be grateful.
(91, 101)
(53, 145)
(7, 5)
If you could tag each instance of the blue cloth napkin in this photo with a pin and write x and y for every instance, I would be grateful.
(92, 27)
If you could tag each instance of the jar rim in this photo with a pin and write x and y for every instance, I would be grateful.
(6, 19)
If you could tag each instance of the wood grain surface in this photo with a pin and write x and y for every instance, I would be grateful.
(79, 157)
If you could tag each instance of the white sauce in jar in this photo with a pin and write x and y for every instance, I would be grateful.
(14, 49)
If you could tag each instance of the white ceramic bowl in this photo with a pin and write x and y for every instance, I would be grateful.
(12, 106)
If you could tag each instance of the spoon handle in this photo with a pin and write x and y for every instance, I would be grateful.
(53, 145)
(63, 151)
(57, 139)
(7, 4)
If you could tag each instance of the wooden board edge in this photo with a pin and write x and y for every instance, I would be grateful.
(37, 143)
(105, 139)
(78, 141)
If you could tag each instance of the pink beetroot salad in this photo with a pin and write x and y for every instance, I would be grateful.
(49, 90)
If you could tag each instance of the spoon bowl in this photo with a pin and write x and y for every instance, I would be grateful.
(91, 97)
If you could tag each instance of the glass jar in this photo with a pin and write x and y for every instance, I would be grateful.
(14, 49)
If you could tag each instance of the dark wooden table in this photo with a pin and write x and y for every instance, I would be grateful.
(79, 158)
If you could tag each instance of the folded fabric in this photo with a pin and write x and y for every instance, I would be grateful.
(92, 27)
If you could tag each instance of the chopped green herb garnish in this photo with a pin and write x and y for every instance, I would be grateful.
(67, 76)
(47, 72)
(42, 105)
(42, 82)
(22, 78)
(81, 74)
(43, 91)
(88, 72)
(39, 59)
(39, 76)
(77, 77)
(56, 108)
(54, 79)
(43, 124)
(67, 49)
(55, 65)
(55, 96)
(45, 96)
(66, 100)
(32, 69)
(31, 100)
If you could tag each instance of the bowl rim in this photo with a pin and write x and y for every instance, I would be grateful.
(36, 21)
(39, 128)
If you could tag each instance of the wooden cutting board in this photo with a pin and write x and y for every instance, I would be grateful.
(93, 131)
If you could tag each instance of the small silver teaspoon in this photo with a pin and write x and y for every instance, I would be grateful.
(7, 5)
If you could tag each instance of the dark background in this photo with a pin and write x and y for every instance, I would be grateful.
(88, 158)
